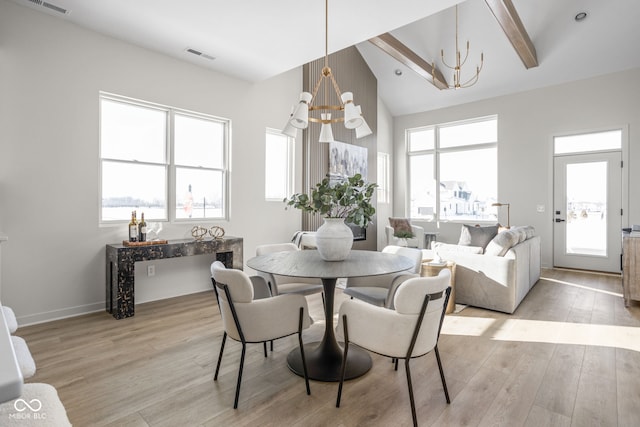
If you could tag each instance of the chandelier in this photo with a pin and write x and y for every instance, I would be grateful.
(350, 114)
(457, 84)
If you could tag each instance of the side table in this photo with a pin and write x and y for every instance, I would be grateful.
(429, 270)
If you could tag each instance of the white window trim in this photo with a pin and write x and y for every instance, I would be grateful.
(169, 160)
(290, 170)
(436, 151)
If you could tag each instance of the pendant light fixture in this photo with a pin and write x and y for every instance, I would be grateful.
(325, 113)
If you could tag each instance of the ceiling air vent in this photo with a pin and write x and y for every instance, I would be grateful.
(50, 6)
(198, 53)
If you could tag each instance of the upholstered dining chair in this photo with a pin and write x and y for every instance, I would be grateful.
(410, 330)
(285, 284)
(379, 290)
(250, 320)
(260, 290)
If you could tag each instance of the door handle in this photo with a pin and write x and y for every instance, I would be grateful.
(560, 220)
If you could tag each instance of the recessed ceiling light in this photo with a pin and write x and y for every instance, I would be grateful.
(580, 16)
(398, 72)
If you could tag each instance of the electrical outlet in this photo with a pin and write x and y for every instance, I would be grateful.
(151, 270)
(540, 208)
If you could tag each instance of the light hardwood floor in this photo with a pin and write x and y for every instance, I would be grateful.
(569, 356)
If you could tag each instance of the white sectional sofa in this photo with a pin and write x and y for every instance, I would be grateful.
(498, 276)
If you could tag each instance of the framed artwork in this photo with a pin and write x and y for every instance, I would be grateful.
(346, 160)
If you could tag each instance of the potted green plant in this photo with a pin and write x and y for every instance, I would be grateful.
(347, 200)
(403, 235)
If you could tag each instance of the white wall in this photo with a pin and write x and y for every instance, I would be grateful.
(51, 72)
(385, 145)
(526, 124)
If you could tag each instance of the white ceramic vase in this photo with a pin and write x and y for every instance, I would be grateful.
(334, 239)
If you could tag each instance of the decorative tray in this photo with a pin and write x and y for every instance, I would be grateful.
(153, 242)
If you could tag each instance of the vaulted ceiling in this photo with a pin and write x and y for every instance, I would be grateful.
(257, 39)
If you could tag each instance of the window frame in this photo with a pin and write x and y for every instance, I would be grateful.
(436, 152)
(290, 143)
(169, 162)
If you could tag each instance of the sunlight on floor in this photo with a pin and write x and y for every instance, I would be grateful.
(575, 285)
(624, 337)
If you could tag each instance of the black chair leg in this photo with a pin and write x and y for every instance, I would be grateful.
(235, 402)
(271, 345)
(264, 345)
(396, 367)
(444, 383)
(413, 403)
(224, 339)
(343, 369)
(304, 361)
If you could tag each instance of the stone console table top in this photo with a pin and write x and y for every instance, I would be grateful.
(120, 259)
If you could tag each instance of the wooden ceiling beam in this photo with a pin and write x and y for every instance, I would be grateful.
(508, 18)
(394, 47)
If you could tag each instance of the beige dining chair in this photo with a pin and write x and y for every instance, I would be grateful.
(286, 284)
(250, 320)
(379, 290)
(408, 331)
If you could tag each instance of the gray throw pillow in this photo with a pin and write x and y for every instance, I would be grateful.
(477, 236)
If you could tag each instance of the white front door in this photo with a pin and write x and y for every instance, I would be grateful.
(588, 211)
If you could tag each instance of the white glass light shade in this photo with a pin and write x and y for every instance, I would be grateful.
(290, 130)
(364, 129)
(326, 133)
(300, 117)
(352, 118)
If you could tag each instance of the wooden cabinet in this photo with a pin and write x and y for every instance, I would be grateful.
(630, 268)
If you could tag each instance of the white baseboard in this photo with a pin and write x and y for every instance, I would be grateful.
(48, 316)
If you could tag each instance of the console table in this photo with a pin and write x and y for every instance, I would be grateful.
(120, 295)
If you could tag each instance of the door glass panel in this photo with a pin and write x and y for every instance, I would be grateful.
(587, 209)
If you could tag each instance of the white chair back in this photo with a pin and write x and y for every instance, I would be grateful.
(276, 247)
(413, 254)
(409, 299)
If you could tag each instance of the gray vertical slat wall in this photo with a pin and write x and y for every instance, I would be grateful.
(352, 75)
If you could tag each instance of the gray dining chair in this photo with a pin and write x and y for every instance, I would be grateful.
(380, 290)
(408, 331)
(285, 284)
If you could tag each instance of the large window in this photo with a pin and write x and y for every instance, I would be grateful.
(278, 180)
(168, 163)
(453, 171)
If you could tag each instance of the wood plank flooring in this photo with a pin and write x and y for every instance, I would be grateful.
(569, 356)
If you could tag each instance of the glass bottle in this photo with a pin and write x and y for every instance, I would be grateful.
(142, 229)
(133, 228)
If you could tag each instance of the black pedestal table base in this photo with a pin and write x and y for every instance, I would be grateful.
(322, 367)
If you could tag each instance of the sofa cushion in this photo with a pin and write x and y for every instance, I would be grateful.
(501, 243)
(401, 226)
(442, 248)
(477, 236)
(521, 233)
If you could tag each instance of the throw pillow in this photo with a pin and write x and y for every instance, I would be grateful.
(401, 227)
(501, 244)
(477, 236)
